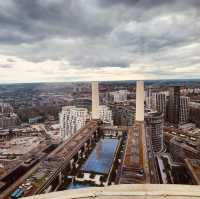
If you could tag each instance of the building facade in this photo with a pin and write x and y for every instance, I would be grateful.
(173, 107)
(184, 109)
(123, 114)
(154, 123)
(194, 115)
(71, 120)
(7, 121)
(105, 114)
(119, 96)
(7, 116)
(6, 108)
(159, 102)
(148, 97)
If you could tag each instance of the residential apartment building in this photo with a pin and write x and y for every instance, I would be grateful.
(173, 113)
(184, 109)
(159, 101)
(154, 123)
(119, 96)
(105, 114)
(71, 120)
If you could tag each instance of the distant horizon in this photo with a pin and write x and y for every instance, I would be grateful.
(84, 81)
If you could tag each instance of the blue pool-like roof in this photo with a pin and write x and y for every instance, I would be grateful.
(101, 158)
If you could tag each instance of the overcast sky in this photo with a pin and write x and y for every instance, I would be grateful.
(73, 40)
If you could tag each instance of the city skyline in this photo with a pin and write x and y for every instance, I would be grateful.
(68, 136)
(99, 98)
(58, 41)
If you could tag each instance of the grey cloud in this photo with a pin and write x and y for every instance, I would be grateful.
(6, 66)
(106, 3)
(37, 20)
(147, 3)
(100, 31)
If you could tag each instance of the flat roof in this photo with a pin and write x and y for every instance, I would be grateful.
(101, 158)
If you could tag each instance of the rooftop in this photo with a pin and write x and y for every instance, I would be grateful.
(131, 191)
(131, 171)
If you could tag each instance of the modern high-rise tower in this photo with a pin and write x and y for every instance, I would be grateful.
(149, 97)
(95, 100)
(174, 105)
(184, 109)
(159, 102)
(154, 123)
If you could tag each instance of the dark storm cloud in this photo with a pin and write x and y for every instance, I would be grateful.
(147, 3)
(101, 33)
(38, 20)
(106, 3)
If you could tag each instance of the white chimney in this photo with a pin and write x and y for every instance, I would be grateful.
(95, 100)
(140, 101)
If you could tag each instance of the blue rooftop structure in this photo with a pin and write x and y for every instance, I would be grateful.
(101, 158)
